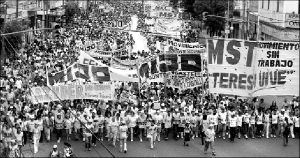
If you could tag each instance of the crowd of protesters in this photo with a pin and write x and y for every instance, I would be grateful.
(159, 114)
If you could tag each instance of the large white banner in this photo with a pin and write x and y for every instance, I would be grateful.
(247, 68)
(66, 92)
(115, 74)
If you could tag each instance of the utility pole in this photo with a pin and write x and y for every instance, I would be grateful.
(17, 9)
(244, 14)
(258, 34)
(227, 27)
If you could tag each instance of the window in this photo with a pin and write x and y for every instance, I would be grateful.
(262, 4)
(268, 4)
(278, 5)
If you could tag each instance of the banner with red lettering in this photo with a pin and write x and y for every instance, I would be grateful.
(247, 68)
(66, 92)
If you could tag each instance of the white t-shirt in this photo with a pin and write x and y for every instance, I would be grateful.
(233, 121)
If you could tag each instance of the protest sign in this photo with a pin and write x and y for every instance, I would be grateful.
(277, 68)
(123, 64)
(115, 74)
(65, 92)
(184, 83)
(247, 68)
(188, 46)
(79, 71)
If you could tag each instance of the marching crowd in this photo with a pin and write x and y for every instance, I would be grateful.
(160, 114)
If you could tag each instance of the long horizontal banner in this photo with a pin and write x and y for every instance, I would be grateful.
(183, 83)
(247, 68)
(123, 64)
(174, 50)
(181, 45)
(153, 70)
(115, 74)
(79, 71)
(66, 92)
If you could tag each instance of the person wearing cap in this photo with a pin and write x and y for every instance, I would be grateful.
(54, 152)
(209, 139)
(123, 129)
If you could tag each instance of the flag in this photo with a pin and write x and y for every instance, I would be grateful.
(168, 62)
(191, 62)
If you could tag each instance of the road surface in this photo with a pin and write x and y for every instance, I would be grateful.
(240, 148)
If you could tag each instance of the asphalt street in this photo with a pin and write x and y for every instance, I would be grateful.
(240, 148)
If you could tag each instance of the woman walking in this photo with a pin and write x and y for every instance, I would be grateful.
(123, 136)
(286, 131)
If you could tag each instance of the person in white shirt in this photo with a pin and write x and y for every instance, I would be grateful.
(168, 124)
(239, 123)
(267, 123)
(232, 126)
(291, 122)
(274, 124)
(259, 124)
(152, 134)
(223, 120)
(296, 123)
(36, 138)
(158, 118)
(123, 136)
(142, 124)
(246, 124)
(88, 134)
(209, 139)
(132, 124)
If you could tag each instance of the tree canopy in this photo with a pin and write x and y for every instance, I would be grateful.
(71, 9)
(13, 42)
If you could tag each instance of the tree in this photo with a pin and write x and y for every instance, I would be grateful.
(13, 42)
(71, 9)
(213, 7)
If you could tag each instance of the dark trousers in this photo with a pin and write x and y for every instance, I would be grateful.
(58, 133)
(202, 136)
(274, 129)
(167, 130)
(245, 127)
(297, 132)
(94, 139)
(259, 129)
(25, 137)
(175, 130)
(232, 131)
